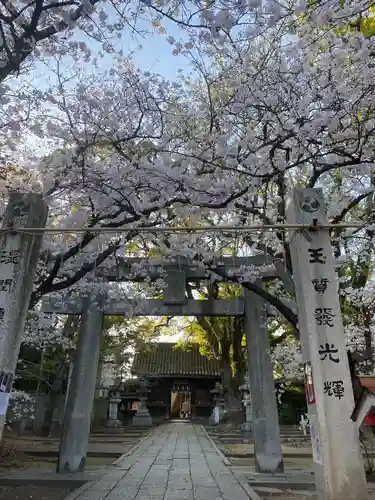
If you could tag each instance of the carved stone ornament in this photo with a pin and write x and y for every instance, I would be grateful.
(20, 208)
(310, 204)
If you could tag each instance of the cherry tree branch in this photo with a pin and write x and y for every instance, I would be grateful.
(18, 47)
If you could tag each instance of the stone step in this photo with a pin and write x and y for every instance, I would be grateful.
(130, 431)
(297, 481)
(55, 453)
(246, 440)
(243, 435)
(230, 434)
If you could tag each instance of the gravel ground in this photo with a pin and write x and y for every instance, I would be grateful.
(294, 495)
(285, 496)
(34, 492)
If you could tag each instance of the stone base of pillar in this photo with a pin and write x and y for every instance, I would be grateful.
(216, 415)
(114, 426)
(142, 418)
(247, 428)
(235, 415)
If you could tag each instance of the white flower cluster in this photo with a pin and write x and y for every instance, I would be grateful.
(21, 407)
(44, 330)
(287, 358)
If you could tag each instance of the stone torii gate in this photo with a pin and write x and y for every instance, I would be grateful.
(75, 433)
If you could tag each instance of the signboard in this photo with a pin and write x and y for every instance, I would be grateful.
(216, 415)
(6, 380)
(315, 440)
(309, 384)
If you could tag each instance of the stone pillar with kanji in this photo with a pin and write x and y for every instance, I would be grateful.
(338, 462)
(19, 255)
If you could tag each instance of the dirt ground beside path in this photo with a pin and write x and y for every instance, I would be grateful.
(33, 492)
(31, 451)
(17, 457)
(293, 495)
(285, 496)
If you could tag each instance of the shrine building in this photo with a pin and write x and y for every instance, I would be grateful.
(180, 381)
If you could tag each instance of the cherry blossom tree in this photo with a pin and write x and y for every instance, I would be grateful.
(31, 30)
(281, 97)
(286, 99)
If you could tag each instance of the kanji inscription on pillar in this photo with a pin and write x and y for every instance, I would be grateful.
(326, 314)
(9, 258)
(329, 351)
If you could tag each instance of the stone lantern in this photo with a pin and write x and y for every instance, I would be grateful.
(218, 410)
(142, 416)
(247, 426)
(113, 424)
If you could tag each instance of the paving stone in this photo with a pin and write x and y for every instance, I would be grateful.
(162, 462)
(157, 483)
(180, 462)
(161, 468)
(156, 480)
(184, 484)
(120, 493)
(179, 495)
(150, 493)
(231, 483)
(149, 496)
(238, 493)
(103, 485)
(203, 471)
(200, 472)
(114, 475)
(179, 476)
(157, 474)
(91, 494)
(204, 481)
(203, 493)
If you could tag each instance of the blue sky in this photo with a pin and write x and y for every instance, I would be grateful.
(151, 52)
(156, 53)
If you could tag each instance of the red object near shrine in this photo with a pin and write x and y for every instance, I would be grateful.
(370, 419)
(368, 381)
(309, 384)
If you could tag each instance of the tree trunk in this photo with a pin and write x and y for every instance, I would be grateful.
(53, 398)
(231, 401)
(70, 327)
(368, 342)
(239, 360)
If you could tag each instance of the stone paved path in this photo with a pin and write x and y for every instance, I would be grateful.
(176, 462)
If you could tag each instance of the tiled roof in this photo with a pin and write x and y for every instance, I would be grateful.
(368, 381)
(164, 358)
